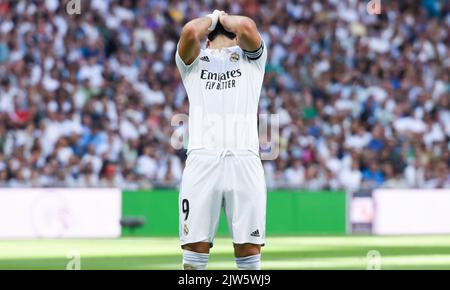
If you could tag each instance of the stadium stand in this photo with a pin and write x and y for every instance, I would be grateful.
(363, 100)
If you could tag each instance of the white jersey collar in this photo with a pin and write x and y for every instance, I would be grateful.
(221, 50)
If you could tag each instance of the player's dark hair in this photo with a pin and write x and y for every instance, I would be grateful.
(220, 30)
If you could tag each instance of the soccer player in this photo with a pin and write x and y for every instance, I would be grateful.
(223, 167)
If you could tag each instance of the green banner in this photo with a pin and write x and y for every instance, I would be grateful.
(288, 213)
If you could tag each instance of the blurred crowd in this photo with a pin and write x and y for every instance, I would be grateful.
(363, 100)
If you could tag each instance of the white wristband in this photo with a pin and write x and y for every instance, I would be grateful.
(214, 18)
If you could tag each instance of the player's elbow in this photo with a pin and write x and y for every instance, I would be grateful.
(189, 32)
(247, 27)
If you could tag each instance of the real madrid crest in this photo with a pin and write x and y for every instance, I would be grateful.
(234, 57)
(186, 229)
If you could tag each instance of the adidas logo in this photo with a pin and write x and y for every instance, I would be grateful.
(205, 58)
(255, 234)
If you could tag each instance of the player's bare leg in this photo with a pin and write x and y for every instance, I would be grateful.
(248, 256)
(195, 256)
(197, 247)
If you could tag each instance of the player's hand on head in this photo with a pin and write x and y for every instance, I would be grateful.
(222, 15)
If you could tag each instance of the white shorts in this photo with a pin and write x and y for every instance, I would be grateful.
(233, 180)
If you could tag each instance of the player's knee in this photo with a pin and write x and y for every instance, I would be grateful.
(246, 250)
(248, 256)
(197, 247)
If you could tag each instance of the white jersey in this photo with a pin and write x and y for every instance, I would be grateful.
(223, 88)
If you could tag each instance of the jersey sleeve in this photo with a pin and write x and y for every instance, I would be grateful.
(258, 57)
(183, 68)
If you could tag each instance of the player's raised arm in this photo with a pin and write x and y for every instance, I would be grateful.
(192, 34)
(245, 30)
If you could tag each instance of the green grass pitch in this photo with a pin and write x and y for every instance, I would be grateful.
(346, 252)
